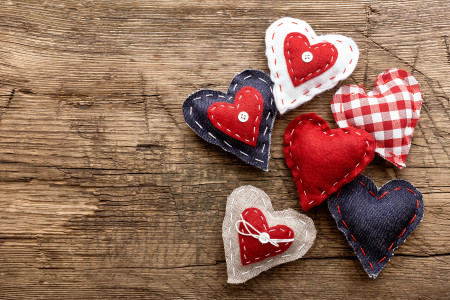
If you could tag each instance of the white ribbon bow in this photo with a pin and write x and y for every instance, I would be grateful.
(263, 237)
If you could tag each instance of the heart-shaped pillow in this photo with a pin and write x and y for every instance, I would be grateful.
(240, 121)
(303, 64)
(321, 159)
(257, 238)
(389, 112)
(376, 221)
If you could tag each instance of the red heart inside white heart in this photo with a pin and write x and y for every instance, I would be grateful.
(303, 64)
(389, 112)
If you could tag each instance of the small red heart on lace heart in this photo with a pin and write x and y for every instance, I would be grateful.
(257, 249)
(257, 238)
(241, 119)
(305, 61)
(321, 159)
(389, 112)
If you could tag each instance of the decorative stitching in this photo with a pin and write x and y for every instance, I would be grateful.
(296, 166)
(245, 90)
(272, 230)
(398, 237)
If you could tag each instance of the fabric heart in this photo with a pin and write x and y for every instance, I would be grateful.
(389, 112)
(321, 159)
(258, 241)
(257, 238)
(376, 221)
(240, 121)
(303, 64)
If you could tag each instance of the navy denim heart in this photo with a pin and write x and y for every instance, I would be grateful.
(195, 111)
(376, 221)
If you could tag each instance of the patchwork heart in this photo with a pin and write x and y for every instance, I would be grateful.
(389, 112)
(303, 64)
(257, 238)
(321, 159)
(240, 121)
(376, 221)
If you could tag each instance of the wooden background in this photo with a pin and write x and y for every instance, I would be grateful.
(104, 190)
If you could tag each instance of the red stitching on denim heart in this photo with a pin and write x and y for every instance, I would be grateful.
(398, 237)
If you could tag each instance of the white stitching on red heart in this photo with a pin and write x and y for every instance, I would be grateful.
(257, 236)
(296, 165)
(221, 96)
(268, 213)
(232, 106)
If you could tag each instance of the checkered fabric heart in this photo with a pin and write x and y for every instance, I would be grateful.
(389, 112)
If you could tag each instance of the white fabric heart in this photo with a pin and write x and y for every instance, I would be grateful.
(293, 48)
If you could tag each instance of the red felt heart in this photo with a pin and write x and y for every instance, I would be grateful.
(321, 159)
(241, 119)
(254, 250)
(389, 112)
(304, 61)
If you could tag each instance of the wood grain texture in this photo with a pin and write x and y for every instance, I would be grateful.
(105, 192)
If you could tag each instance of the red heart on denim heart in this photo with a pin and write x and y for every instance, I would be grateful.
(241, 119)
(321, 159)
(389, 112)
(305, 61)
(253, 222)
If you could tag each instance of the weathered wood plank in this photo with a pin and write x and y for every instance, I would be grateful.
(105, 192)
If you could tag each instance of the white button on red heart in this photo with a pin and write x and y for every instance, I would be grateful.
(243, 116)
(307, 56)
(223, 115)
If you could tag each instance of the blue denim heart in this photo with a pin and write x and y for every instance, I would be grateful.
(376, 221)
(195, 109)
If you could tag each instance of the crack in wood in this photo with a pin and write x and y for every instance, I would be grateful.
(8, 103)
(144, 99)
(447, 47)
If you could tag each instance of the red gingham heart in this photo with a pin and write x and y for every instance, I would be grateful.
(389, 112)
